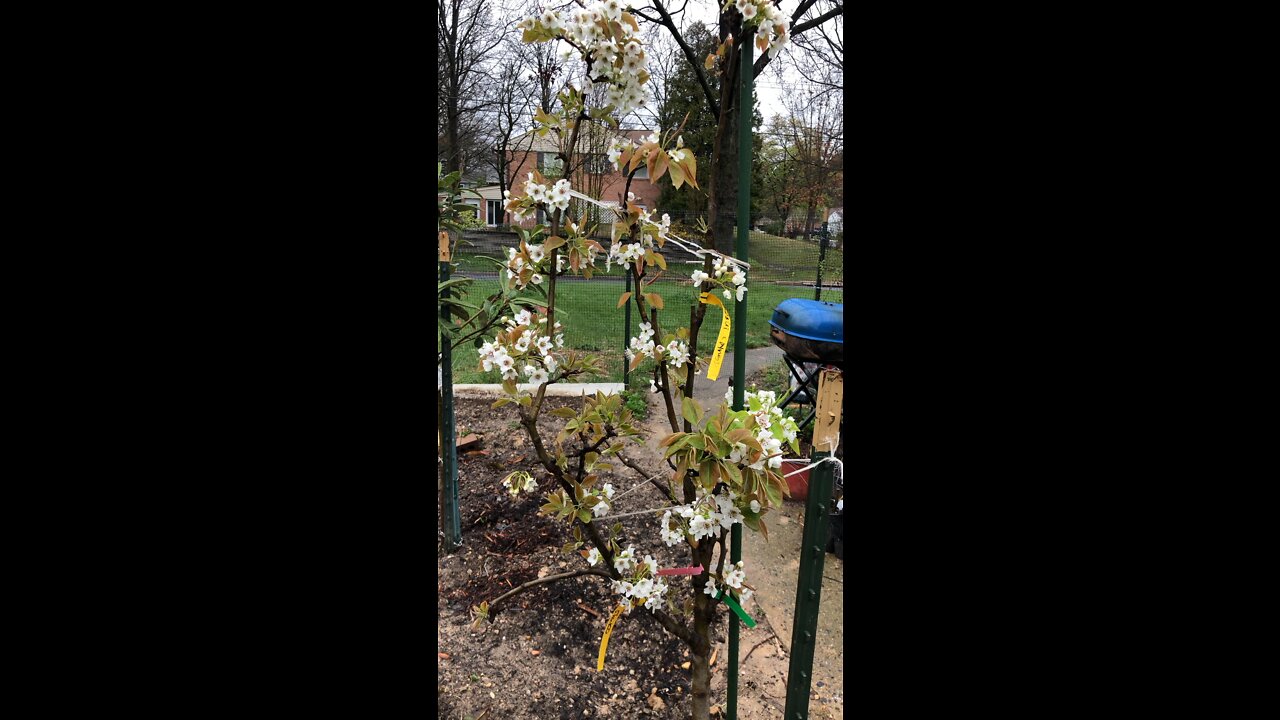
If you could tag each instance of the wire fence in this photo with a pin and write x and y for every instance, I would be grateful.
(781, 268)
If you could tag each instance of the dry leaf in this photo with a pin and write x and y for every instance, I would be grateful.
(535, 653)
(684, 666)
(443, 656)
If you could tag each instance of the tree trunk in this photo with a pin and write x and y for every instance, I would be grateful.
(722, 193)
(722, 199)
(703, 615)
(701, 667)
(808, 221)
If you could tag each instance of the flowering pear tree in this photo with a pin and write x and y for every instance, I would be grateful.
(722, 466)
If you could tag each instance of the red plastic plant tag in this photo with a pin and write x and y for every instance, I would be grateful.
(695, 570)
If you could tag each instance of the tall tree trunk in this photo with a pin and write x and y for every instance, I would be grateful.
(722, 193)
(722, 196)
(701, 668)
(453, 161)
(703, 615)
(808, 220)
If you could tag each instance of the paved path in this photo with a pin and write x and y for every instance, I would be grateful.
(709, 394)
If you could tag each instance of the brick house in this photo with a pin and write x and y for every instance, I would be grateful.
(596, 179)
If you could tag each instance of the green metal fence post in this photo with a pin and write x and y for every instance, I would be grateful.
(740, 317)
(826, 433)
(451, 519)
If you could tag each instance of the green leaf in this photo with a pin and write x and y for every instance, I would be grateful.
(677, 175)
(733, 471)
(773, 493)
(690, 409)
(563, 412)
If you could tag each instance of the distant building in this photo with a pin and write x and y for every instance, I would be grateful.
(835, 221)
(610, 183)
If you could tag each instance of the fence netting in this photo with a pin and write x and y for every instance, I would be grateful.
(794, 264)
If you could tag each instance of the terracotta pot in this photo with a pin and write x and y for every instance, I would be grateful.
(798, 483)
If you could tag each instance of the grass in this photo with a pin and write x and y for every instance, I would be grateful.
(592, 321)
(773, 259)
(772, 377)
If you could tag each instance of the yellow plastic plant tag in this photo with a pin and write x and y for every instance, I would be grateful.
(722, 340)
(608, 629)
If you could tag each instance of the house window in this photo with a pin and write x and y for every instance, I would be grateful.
(495, 212)
(550, 164)
(642, 172)
(598, 164)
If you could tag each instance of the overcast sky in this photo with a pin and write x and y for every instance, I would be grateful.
(769, 88)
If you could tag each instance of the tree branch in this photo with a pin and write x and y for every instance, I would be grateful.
(796, 30)
(666, 492)
(688, 55)
(493, 606)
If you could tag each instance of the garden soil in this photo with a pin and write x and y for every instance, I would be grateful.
(537, 659)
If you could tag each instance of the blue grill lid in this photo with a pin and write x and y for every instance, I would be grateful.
(810, 319)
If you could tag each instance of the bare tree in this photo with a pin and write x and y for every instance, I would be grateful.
(814, 142)
(817, 56)
(722, 187)
(515, 93)
(467, 34)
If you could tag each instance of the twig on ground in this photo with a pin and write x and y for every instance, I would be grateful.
(543, 581)
(767, 639)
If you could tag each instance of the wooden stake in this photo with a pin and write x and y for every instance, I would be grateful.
(826, 424)
(444, 246)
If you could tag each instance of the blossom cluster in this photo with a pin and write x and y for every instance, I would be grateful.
(704, 517)
(616, 148)
(555, 197)
(770, 23)
(525, 347)
(640, 582)
(726, 275)
(773, 428)
(516, 265)
(613, 52)
(734, 581)
(518, 481)
(604, 498)
(675, 353)
(625, 254)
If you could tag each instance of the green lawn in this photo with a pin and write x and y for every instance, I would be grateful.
(783, 259)
(589, 312)
(772, 258)
(592, 321)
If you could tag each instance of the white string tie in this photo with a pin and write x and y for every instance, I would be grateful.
(829, 458)
(687, 245)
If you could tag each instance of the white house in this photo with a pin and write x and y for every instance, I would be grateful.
(834, 220)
